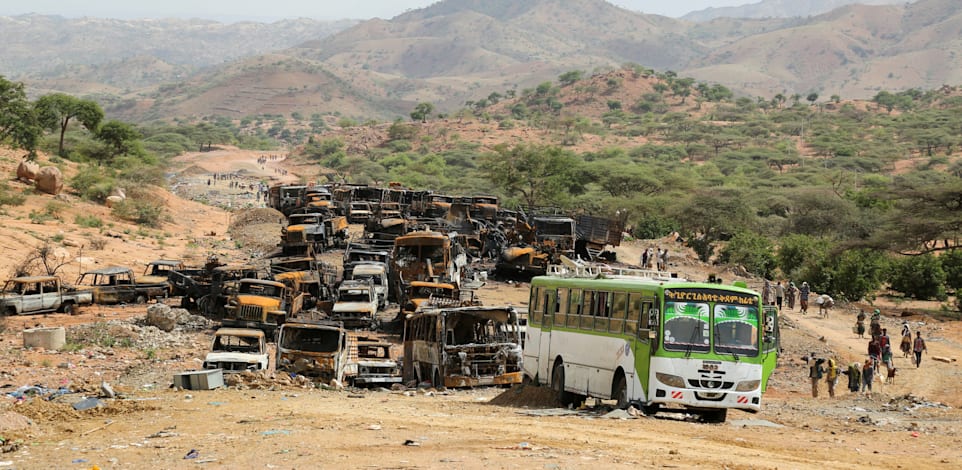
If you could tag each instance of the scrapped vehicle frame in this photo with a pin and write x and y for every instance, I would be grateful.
(40, 294)
(463, 347)
(313, 348)
(237, 350)
(371, 363)
(117, 284)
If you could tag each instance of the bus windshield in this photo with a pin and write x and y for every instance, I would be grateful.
(736, 329)
(686, 326)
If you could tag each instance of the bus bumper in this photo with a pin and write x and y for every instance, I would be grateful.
(749, 401)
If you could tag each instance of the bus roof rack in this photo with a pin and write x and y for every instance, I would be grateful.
(579, 268)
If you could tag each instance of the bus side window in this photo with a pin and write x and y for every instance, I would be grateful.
(588, 310)
(574, 308)
(619, 306)
(634, 314)
(563, 299)
(537, 302)
(603, 311)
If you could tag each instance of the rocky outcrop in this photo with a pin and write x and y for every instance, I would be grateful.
(27, 171)
(49, 180)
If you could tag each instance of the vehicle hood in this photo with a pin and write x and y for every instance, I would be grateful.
(355, 307)
(235, 357)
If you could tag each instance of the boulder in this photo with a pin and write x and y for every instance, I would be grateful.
(49, 180)
(161, 316)
(113, 200)
(27, 171)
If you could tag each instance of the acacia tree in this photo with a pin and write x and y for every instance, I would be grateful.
(422, 111)
(540, 174)
(56, 110)
(18, 121)
(120, 136)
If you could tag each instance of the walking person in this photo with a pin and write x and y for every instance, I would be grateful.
(918, 347)
(664, 260)
(791, 292)
(779, 294)
(644, 259)
(831, 376)
(815, 371)
(803, 294)
(868, 373)
(767, 293)
(860, 324)
(906, 345)
(854, 374)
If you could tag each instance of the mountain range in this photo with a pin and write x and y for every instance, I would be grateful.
(459, 50)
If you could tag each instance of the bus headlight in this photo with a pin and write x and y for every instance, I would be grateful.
(747, 385)
(670, 380)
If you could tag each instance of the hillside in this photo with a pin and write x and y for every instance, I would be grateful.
(781, 9)
(137, 53)
(854, 52)
(457, 50)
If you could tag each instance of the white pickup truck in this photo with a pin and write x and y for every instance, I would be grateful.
(377, 273)
(237, 350)
(356, 305)
(40, 294)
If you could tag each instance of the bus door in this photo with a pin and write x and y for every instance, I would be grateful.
(544, 342)
(643, 320)
(771, 343)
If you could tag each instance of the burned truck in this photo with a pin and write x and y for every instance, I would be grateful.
(426, 256)
(260, 304)
(538, 244)
(463, 347)
(317, 349)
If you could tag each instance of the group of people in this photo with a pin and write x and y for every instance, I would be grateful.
(779, 295)
(862, 375)
(655, 259)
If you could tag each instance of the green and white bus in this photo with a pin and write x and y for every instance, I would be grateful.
(647, 339)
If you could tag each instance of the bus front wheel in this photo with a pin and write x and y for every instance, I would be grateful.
(558, 385)
(714, 415)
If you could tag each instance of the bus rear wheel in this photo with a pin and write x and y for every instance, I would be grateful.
(620, 392)
(558, 385)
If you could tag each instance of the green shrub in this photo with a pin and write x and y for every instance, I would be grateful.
(9, 198)
(920, 277)
(94, 183)
(139, 211)
(751, 250)
(88, 221)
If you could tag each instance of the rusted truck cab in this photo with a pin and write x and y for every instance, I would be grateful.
(316, 349)
(373, 365)
(258, 304)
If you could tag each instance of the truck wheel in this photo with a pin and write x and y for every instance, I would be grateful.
(8, 312)
(141, 299)
(67, 308)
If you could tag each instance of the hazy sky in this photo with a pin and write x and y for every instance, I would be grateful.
(269, 10)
